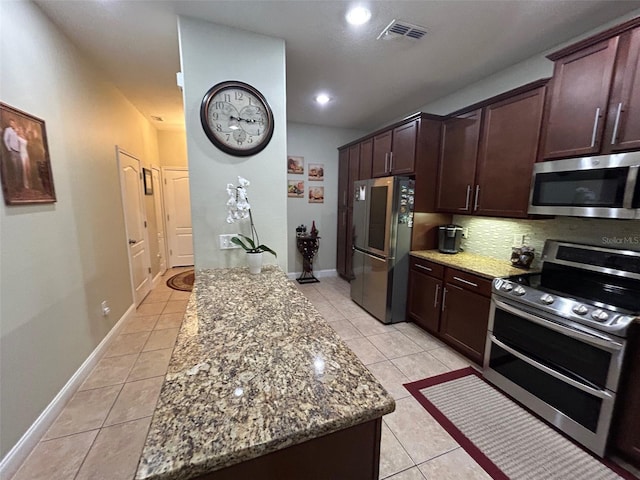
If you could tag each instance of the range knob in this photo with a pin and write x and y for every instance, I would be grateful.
(547, 299)
(507, 287)
(600, 315)
(519, 290)
(580, 309)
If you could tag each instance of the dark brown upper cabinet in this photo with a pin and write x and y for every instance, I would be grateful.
(508, 151)
(366, 158)
(487, 154)
(458, 155)
(594, 102)
(394, 151)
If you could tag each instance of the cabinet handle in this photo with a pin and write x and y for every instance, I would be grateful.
(465, 281)
(344, 197)
(595, 127)
(390, 161)
(444, 298)
(386, 162)
(615, 125)
(466, 203)
(424, 268)
(475, 203)
(435, 300)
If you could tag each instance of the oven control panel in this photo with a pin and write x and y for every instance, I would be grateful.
(567, 308)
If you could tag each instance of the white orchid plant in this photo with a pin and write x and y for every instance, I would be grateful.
(238, 208)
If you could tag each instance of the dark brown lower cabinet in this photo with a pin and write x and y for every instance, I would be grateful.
(625, 439)
(451, 304)
(465, 317)
(423, 305)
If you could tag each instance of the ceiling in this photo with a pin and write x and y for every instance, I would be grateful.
(370, 81)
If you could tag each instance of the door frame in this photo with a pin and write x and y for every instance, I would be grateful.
(159, 202)
(119, 152)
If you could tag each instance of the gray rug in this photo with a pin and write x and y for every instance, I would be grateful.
(520, 445)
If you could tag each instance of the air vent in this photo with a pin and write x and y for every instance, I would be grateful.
(157, 118)
(400, 28)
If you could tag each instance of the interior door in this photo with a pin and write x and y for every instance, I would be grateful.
(157, 198)
(177, 203)
(136, 225)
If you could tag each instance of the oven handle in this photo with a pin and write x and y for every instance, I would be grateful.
(552, 372)
(590, 338)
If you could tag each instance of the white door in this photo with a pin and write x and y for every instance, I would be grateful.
(136, 225)
(157, 199)
(178, 215)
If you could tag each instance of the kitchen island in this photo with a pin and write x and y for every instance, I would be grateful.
(260, 386)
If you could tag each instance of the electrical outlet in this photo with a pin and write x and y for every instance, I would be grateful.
(225, 241)
(518, 239)
(106, 310)
(465, 233)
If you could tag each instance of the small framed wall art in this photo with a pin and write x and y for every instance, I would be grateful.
(295, 188)
(24, 158)
(295, 165)
(148, 181)
(316, 194)
(316, 172)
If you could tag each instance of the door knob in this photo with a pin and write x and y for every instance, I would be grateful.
(132, 242)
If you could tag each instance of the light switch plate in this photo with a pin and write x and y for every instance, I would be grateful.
(225, 241)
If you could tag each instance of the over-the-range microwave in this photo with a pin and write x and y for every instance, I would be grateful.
(606, 186)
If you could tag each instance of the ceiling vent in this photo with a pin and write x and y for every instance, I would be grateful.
(157, 118)
(400, 28)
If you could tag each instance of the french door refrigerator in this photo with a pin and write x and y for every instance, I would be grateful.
(382, 222)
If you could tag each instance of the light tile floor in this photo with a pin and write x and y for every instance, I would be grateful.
(101, 431)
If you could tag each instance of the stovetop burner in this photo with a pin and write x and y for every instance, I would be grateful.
(573, 288)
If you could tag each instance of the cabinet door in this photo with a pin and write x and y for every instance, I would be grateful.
(464, 321)
(403, 153)
(354, 171)
(579, 97)
(343, 177)
(366, 157)
(423, 303)
(381, 151)
(458, 154)
(508, 150)
(626, 126)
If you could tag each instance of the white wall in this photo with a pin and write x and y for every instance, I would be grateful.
(59, 261)
(211, 54)
(316, 145)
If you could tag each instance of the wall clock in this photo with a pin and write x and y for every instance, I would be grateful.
(237, 118)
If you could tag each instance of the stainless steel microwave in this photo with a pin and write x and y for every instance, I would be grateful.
(606, 186)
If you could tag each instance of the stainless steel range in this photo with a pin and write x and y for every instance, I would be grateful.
(557, 339)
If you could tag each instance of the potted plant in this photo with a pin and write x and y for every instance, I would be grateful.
(239, 208)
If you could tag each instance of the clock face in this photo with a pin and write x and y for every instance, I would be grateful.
(237, 118)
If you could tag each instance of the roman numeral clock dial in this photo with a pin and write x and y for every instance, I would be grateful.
(236, 118)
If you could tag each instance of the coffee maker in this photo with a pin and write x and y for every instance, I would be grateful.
(449, 237)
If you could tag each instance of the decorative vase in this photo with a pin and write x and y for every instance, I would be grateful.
(254, 260)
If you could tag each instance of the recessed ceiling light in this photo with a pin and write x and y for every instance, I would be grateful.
(323, 98)
(358, 15)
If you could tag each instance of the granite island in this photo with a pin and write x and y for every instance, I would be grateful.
(260, 386)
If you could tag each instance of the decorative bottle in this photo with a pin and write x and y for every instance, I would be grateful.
(314, 230)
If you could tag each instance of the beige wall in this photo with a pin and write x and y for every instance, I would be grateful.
(210, 54)
(59, 261)
(172, 148)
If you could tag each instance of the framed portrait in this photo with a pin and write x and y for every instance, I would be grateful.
(295, 189)
(24, 158)
(316, 194)
(295, 165)
(316, 172)
(148, 181)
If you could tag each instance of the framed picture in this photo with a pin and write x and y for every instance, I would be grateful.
(316, 194)
(295, 165)
(24, 158)
(316, 172)
(295, 188)
(148, 181)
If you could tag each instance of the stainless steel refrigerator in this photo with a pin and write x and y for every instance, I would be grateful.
(382, 222)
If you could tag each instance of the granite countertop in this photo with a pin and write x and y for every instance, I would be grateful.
(487, 267)
(255, 369)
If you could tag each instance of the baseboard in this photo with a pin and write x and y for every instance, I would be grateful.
(157, 279)
(21, 450)
(318, 274)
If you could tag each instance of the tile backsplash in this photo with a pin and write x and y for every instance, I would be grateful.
(494, 237)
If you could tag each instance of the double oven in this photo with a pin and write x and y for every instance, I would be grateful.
(557, 339)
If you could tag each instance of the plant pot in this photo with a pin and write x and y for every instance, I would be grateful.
(254, 260)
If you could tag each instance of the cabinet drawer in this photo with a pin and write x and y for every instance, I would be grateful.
(469, 281)
(425, 266)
